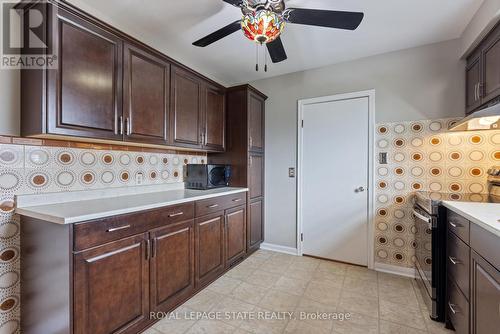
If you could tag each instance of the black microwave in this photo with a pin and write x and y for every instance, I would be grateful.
(201, 176)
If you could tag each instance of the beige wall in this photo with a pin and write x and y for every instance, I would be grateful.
(9, 102)
(420, 83)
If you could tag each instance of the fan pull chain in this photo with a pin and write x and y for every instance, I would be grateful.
(265, 57)
(257, 57)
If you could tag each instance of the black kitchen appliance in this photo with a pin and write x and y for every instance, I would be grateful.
(430, 223)
(201, 176)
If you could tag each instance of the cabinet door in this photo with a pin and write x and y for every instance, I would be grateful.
(214, 119)
(256, 175)
(255, 223)
(146, 83)
(111, 287)
(209, 248)
(472, 83)
(255, 122)
(491, 69)
(235, 234)
(485, 301)
(186, 109)
(172, 265)
(85, 92)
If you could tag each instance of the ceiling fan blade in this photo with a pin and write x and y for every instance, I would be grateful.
(276, 50)
(324, 18)
(236, 3)
(219, 34)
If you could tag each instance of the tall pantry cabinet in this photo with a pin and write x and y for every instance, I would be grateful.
(245, 153)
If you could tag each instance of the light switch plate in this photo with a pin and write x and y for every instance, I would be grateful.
(291, 172)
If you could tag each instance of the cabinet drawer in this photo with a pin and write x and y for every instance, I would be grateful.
(457, 308)
(98, 232)
(216, 204)
(458, 259)
(458, 225)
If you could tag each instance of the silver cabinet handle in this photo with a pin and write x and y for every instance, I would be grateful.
(250, 140)
(454, 260)
(175, 214)
(452, 308)
(121, 125)
(453, 224)
(212, 206)
(127, 126)
(114, 229)
(237, 200)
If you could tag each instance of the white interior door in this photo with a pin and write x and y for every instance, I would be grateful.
(334, 170)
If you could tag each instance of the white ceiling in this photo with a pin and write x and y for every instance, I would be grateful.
(172, 25)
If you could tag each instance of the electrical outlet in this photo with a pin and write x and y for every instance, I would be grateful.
(139, 178)
(291, 172)
(382, 158)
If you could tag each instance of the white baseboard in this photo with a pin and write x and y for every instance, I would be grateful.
(391, 269)
(278, 248)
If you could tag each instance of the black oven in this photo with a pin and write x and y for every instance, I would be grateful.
(201, 176)
(430, 252)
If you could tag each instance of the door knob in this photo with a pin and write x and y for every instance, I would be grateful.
(359, 190)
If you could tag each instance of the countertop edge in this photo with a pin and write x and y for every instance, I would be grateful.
(475, 220)
(25, 211)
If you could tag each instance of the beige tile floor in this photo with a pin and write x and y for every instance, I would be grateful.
(269, 281)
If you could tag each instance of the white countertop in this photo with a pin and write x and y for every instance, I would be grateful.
(66, 208)
(486, 215)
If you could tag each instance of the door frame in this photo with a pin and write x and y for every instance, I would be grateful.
(370, 94)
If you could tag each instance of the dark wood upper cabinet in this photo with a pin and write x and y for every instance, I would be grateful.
(235, 234)
(491, 68)
(485, 287)
(255, 122)
(111, 287)
(172, 265)
(209, 248)
(85, 91)
(186, 109)
(473, 82)
(146, 90)
(256, 176)
(109, 86)
(214, 119)
(483, 72)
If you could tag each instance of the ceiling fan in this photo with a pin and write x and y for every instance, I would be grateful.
(263, 22)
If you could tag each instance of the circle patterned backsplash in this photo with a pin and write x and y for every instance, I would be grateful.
(422, 156)
(39, 169)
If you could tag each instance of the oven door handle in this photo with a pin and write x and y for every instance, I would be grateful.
(423, 218)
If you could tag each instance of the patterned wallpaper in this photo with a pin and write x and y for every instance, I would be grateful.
(43, 169)
(421, 155)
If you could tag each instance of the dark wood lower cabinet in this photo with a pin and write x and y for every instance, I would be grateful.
(106, 276)
(255, 224)
(209, 248)
(111, 287)
(485, 299)
(235, 234)
(172, 265)
(473, 285)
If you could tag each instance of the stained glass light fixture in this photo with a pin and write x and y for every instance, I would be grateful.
(262, 26)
